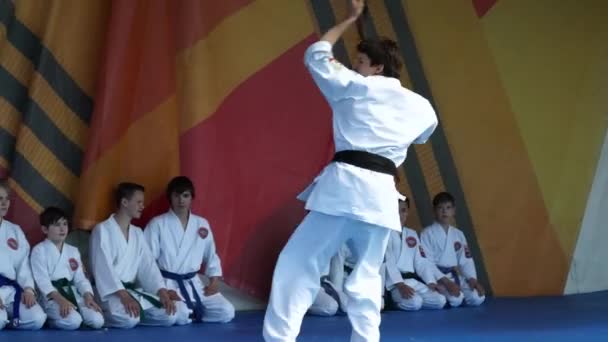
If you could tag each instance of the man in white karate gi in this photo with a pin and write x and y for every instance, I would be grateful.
(181, 242)
(130, 286)
(410, 276)
(354, 198)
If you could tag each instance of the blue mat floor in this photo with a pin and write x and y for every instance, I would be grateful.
(505, 319)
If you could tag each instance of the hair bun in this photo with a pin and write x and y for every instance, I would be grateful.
(389, 44)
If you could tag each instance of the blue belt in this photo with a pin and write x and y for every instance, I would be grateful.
(196, 307)
(452, 271)
(4, 281)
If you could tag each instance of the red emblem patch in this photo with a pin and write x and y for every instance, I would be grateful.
(422, 252)
(457, 246)
(203, 232)
(73, 264)
(12, 243)
(467, 252)
(411, 242)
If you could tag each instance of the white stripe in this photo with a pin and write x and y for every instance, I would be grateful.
(588, 271)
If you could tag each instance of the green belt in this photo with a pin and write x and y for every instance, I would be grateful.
(155, 302)
(62, 285)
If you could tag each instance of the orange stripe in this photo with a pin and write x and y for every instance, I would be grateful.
(195, 19)
(138, 74)
(147, 153)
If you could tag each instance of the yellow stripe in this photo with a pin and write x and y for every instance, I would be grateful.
(471, 90)
(62, 116)
(236, 49)
(13, 61)
(148, 153)
(25, 196)
(558, 95)
(9, 117)
(74, 31)
(45, 162)
(432, 177)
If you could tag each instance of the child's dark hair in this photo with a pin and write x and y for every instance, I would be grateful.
(51, 215)
(179, 185)
(382, 52)
(126, 190)
(443, 197)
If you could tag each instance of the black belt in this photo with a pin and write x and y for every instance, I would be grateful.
(366, 160)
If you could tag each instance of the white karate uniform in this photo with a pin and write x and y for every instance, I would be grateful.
(184, 251)
(452, 251)
(404, 254)
(326, 304)
(14, 265)
(115, 261)
(48, 265)
(373, 114)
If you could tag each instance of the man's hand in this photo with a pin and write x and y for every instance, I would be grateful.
(130, 304)
(453, 289)
(89, 301)
(432, 286)
(174, 296)
(28, 298)
(475, 285)
(166, 301)
(405, 291)
(213, 287)
(356, 8)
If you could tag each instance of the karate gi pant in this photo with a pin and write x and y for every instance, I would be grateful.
(422, 298)
(29, 319)
(324, 305)
(470, 296)
(116, 316)
(91, 318)
(296, 276)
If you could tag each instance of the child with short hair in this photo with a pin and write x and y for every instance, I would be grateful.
(65, 293)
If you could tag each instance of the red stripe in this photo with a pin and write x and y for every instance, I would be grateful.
(138, 70)
(482, 7)
(265, 143)
(197, 18)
